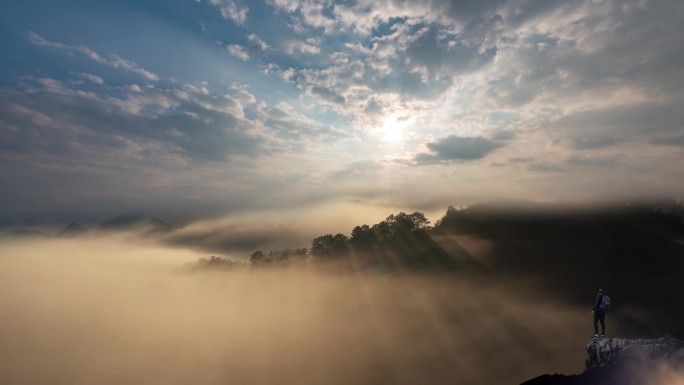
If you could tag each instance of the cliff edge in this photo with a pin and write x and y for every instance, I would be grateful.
(617, 361)
(607, 352)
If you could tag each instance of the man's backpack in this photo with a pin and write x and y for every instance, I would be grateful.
(605, 303)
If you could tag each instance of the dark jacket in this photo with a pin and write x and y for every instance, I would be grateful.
(597, 303)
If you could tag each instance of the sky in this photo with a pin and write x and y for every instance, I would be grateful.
(207, 109)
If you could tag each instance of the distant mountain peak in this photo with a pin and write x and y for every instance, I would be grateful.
(22, 234)
(136, 219)
(73, 229)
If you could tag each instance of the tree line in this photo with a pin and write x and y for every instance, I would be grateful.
(388, 239)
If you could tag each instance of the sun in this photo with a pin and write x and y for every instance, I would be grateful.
(392, 129)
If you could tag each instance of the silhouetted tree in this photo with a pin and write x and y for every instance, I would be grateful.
(405, 223)
(286, 255)
(215, 262)
(385, 234)
(257, 258)
(382, 231)
(327, 246)
(363, 238)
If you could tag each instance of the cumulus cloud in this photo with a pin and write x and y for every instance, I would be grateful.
(238, 52)
(543, 86)
(544, 60)
(255, 48)
(219, 132)
(456, 148)
(407, 67)
(257, 43)
(235, 10)
(183, 149)
(290, 124)
(113, 60)
(305, 47)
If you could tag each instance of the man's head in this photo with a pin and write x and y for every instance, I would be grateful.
(600, 290)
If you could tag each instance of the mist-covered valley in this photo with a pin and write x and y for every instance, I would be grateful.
(498, 301)
(109, 313)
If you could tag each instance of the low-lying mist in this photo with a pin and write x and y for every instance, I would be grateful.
(109, 311)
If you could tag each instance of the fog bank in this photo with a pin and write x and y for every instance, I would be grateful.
(104, 311)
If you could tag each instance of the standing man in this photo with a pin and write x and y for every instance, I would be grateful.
(601, 305)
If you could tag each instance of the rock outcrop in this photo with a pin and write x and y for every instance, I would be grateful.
(616, 361)
(607, 352)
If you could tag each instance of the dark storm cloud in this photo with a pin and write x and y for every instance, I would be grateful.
(457, 148)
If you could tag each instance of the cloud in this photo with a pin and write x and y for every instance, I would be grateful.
(313, 14)
(254, 49)
(236, 237)
(212, 127)
(114, 61)
(544, 167)
(257, 43)
(327, 94)
(587, 143)
(235, 10)
(127, 65)
(677, 141)
(181, 150)
(406, 68)
(361, 168)
(550, 84)
(92, 78)
(238, 52)
(456, 148)
(305, 47)
(292, 125)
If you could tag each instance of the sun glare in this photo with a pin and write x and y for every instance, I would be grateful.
(392, 129)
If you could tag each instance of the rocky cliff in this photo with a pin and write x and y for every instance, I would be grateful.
(607, 352)
(616, 361)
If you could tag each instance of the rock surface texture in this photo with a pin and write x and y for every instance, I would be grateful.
(607, 352)
(616, 361)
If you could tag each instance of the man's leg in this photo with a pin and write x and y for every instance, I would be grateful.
(603, 322)
(596, 319)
